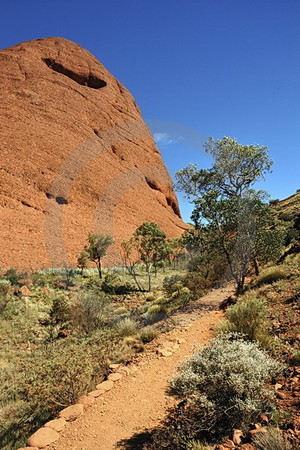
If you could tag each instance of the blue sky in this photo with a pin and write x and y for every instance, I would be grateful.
(196, 68)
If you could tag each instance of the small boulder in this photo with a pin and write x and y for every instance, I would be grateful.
(253, 433)
(236, 436)
(56, 424)
(25, 292)
(105, 385)
(42, 437)
(247, 447)
(86, 400)
(227, 445)
(28, 448)
(114, 376)
(114, 366)
(71, 412)
(263, 418)
(123, 370)
(163, 352)
(96, 393)
(280, 395)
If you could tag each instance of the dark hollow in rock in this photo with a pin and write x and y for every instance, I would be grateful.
(90, 81)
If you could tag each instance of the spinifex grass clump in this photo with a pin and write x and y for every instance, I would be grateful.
(271, 275)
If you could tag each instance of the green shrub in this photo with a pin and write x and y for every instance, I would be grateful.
(271, 275)
(222, 387)
(13, 276)
(196, 283)
(225, 384)
(112, 284)
(147, 334)
(127, 327)
(273, 440)
(155, 313)
(4, 287)
(249, 317)
(57, 374)
(172, 284)
(91, 311)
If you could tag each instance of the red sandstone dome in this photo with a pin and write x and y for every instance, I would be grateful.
(76, 157)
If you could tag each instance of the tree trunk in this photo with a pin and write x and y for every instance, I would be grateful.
(256, 267)
(99, 268)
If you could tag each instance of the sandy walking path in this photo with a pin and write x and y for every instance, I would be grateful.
(138, 401)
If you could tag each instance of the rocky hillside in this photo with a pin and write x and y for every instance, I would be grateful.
(76, 157)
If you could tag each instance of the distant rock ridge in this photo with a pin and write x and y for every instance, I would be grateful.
(76, 157)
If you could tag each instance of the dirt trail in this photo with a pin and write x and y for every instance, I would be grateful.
(138, 401)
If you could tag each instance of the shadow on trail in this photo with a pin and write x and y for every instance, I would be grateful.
(136, 442)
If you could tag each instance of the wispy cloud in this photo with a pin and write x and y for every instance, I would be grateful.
(163, 139)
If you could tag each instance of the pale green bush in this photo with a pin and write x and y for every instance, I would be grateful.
(231, 374)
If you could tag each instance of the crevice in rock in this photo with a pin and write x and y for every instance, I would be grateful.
(152, 184)
(174, 206)
(97, 133)
(26, 204)
(85, 80)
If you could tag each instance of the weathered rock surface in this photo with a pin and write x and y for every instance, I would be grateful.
(86, 400)
(114, 376)
(43, 437)
(76, 156)
(105, 385)
(71, 412)
(56, 424)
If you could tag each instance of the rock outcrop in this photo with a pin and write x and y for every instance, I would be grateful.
(76, 157)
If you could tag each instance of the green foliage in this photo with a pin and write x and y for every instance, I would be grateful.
(231, 219)
(236, 167)
(112, 284)
(148, 246)
(13, 276)
(98, 246)
(4, 287)
(273, 440)
(90, 312)
(222, 387)
(83, 260)
(152, 247)
(172, 284)
(231, 372)
(249, 317)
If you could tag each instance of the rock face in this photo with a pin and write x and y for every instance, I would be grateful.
(76, 157)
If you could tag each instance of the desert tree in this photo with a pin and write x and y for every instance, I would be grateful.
(236, 222)
(97, 248)
(83, 260)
